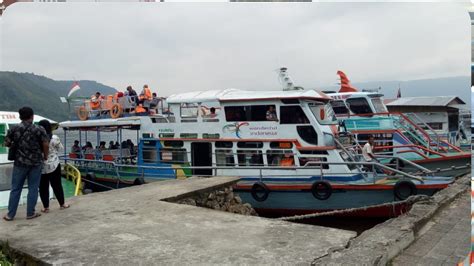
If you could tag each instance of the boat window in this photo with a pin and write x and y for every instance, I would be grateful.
(292, 115)
(224, 157)
(323, 113)
(383, 141)
(290, 101)
(224, 144)
(210, 113)
(314, 152)
(189, 112)
(378, 105)
(359, 106)
(250, 113)
(149, 153)
(281, 145)
(250, 157)
(250, 144)
(314, 162)
(178, 156)
(280, 158)
(173, 143)
(308, 134)
(339, 107)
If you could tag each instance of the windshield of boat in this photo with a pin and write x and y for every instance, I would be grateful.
(378, 105)
(339, 107)
(359, 106)
(323, 113)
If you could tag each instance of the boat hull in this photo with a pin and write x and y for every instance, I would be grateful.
(289, 200)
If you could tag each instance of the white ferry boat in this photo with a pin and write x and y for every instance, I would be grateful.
(281, 143)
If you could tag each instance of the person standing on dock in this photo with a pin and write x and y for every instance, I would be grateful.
(51, 173)
(29, 145)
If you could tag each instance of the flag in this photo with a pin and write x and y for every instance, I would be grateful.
(399, 93)
(75, 87)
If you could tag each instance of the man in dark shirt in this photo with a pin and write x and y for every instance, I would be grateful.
(132, 93)
(32, 149)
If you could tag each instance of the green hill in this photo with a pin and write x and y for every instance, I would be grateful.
(42, 93)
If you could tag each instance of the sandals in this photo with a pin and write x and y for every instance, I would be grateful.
(8, 219)
(64, 206)
(45, 210)
(33, 216)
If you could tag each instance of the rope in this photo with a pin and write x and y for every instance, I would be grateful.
(410, 200)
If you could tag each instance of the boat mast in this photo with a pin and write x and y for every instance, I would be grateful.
(286, 81)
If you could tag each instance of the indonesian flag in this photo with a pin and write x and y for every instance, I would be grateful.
(399, 93)
(75, 87)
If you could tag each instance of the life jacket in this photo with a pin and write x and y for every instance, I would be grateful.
(287, 161)
(95, 102)
(146, 94)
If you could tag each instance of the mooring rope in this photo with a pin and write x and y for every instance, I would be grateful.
(410, 200)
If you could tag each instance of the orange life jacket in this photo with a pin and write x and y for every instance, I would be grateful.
(146, 94)
(287, 161)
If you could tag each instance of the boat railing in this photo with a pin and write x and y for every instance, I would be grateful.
(376, 169)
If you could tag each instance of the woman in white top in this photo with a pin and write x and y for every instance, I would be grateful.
(51, 173)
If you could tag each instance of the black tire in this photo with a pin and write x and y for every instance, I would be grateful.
(404, 189)
(87, 185)
(321, 190)
(259, 191)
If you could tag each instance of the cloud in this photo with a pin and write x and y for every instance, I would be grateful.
(198, 46)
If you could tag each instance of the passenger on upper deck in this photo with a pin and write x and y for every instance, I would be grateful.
(131, 93)
(145, 95)
(271, 114)
(96, 101)
(154, 102)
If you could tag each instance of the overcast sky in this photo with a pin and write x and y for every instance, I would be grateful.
(177, 47)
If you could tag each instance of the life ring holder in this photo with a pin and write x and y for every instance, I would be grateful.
(82, 113)
(321, 190)
(116, 111)
(257, 190)
(401, 185)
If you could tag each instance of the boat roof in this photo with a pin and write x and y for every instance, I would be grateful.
(351, 94)
(100, 123)
(14, 118)
(443, 101)
(243, 95)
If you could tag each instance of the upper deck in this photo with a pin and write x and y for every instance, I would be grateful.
(305, 116)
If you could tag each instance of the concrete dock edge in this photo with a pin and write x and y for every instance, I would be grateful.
(380, 244)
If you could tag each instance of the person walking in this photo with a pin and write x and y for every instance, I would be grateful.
(51, 173)
(29, 145)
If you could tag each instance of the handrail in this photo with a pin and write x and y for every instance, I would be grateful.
(73, 174)
(390, 169)
(409, 146)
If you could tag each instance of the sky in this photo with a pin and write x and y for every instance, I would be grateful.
(178, 47)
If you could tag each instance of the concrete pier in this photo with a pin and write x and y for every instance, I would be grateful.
(135, 225)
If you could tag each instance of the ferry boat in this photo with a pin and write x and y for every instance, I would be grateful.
(364, 114)
(7, 121)
(280, 143)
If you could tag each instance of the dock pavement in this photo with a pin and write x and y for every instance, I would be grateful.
(136, 226)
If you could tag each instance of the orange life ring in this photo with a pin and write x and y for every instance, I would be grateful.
(116, 111)
(322, 114)
(82, 113)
